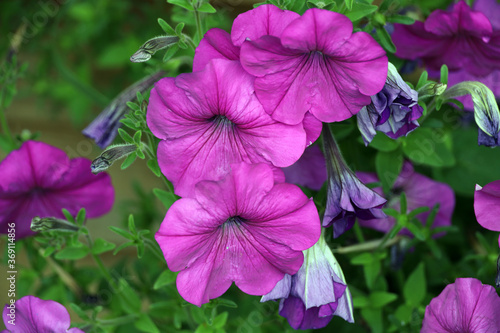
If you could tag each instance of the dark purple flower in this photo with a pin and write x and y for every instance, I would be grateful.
(461, 39)
(104, 127)
(487, 206)
(393, 111)
(464, 306)
(40, 180)
(309, 170)
(347, 197)
(420, 191)
(31, 314)
(316, 65)
(317, 292)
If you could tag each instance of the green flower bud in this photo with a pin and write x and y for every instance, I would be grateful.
(110, 155)
(51, 224)
(151, 46)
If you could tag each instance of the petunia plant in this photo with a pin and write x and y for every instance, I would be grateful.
(296, 165)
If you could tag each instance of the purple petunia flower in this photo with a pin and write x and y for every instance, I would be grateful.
(393, 111)
(464, 306)
(104, 128)
(32, 314)
(261, 21)
(248, 228)
(487, 206)
(347, 197)
(309, 170)
(461, 39)
(40, 180)
(316, 293)
(212, 118)
(420, 191)
(318, 65)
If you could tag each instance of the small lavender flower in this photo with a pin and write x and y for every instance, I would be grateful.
(103, 129)
(347, 196)
(317, 292)
(393, 111)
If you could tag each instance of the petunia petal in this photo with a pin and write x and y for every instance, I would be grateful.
(487, 205)
(216, 44)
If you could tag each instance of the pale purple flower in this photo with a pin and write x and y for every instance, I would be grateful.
(464, 306)
(461, 39)
(31, 314)
(318, 65)
(212, 118)
(309, 170)
(40, 180)
(393, 111)
(247, 228)
(251, 25)
(104, 127)
(317, 292)
(487, 206)
(420, 191)
(347, 197)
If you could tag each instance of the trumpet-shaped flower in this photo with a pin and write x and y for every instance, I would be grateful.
(32, 314)
(317, 64)
(247, 228)
(316, 293)
(464, 306)
(212, 118)
(487, 206)
(40, 180)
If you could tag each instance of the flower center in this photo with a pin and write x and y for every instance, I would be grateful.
(220, 120)
(235, 221)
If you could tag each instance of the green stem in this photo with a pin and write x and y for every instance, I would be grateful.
(5, 126)
(367, 246)
(199, 28)
(359, 233)
(99, 262)
(118, 320)
(155, 248)
(191, 43)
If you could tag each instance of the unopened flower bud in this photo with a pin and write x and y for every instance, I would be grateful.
(52, 224)
(431, 89)
(151, 46)
(110, 155)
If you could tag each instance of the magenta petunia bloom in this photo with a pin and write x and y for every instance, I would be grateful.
(247, 228)
(40, 180)
(212, 118)
(309, 170)
(420, 191)
(32, 314)
(318, 65)
(487, 206)
(316, 293)
(464, 306)
(461, 39)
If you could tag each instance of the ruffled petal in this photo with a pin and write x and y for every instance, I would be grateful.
(216, 44)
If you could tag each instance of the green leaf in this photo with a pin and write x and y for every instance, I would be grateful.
(404, 313)
(72, 253)
(362, 259)
(125, 136)
(166, 27)
(379, 299)
(401, 19)
(165, 278)
(384, 143)
(137, 137)
(78, 310)
(129, 300)
(182, 3)
(80, 217)
(220, 320)
(430, 147)
(225, 302)
(171, 51)
(131, 224)
(348, 4)
(385, 40)
(360, 10)
(178, 28)
(145, 324)
(166, 198)
(374, 319)
(128, 161)
(444, 74)
(415, 286)
(360, 302)
(101, 246)
(121, 232)
(388, 166)
(68, 215)
(206, 8)
(154, 167)
(422, 80)
(416, 231)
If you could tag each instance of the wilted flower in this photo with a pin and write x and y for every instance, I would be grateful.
(212, 118)
(316, 293)
(487, 206)
(309, 170)
(420, 191)
(104, 128)
(393, 111)
(347, 196)
(247, 227)
(464, 306)
(317, 64)
(461, 39)
(32, 314)
(40, 180)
